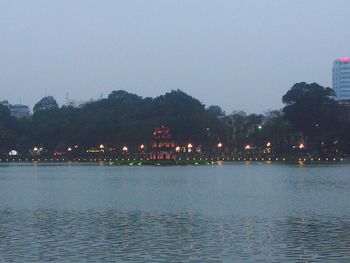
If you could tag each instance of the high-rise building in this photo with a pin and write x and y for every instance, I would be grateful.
(341, 78)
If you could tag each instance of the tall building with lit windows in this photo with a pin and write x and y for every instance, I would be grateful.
(341, 78)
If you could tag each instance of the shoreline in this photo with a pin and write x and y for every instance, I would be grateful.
(177, 162)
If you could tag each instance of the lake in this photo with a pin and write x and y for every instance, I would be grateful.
(232, 212)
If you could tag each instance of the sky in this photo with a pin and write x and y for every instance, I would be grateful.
(241, 55)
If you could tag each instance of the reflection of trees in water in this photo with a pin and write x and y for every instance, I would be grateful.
(45, 235)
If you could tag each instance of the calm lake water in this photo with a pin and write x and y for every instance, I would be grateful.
(236, 212)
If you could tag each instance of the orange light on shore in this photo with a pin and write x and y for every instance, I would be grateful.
(268, 144)
(219, 145)
(247, 147)
(189, 146)
(301, 146)
(177, 149)
(125, 149)
(142, 146)
(102, 146)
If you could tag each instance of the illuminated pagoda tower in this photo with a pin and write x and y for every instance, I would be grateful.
(163, 147)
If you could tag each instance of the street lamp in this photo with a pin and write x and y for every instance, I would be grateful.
(219, 145)
(190, 146)
(125, 149)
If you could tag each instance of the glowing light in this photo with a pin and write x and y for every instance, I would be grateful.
(247, 147)
(102, 146)
(268, 144)
(69, 149)
(13, 153)
(125, 149)
(177, 149)
(344, 60)
(142, 146)
(259, 127)
(35, 149)
(219, 144)
(189, 146)
(301, 146)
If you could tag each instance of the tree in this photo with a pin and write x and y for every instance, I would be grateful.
(311, 109)
(46, 103)
(216, 110)
(279, 132)
(8, 130)
(244, 129)
(123, 95)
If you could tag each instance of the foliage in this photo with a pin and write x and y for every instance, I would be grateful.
(310, 116)
(216, 110)
(311, 109)
(46, 103)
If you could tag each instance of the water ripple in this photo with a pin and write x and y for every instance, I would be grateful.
(110, 236)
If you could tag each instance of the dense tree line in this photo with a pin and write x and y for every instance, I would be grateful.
(311, 118)
(122, 118)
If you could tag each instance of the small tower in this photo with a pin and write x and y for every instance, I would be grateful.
(163, 147)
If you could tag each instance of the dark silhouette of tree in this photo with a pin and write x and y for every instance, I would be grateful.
(46, 103)
(311, 109)
(216, 110)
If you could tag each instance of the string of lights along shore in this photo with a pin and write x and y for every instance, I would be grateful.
(341, 79)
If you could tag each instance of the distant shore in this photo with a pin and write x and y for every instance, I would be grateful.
(177, 162)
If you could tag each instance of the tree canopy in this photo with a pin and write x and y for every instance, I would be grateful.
(46, 103)
(311, 115)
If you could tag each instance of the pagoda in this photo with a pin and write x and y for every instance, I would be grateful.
(163, 147)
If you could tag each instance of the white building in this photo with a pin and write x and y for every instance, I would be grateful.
(341, 78)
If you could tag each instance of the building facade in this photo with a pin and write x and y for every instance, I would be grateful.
(17, 110)
(341, 79)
